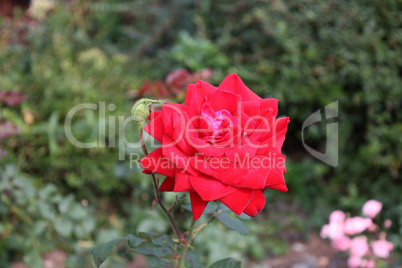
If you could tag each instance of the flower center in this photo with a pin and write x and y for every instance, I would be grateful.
(217, 125)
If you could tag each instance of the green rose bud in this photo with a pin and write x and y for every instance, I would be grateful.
(140, 110)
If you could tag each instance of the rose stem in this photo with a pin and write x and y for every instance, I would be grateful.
(157, 195)
(182, 263)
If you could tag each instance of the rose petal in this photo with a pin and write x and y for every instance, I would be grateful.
(197, 205)
(182, 181)
(256, 204)
(234, 84)
(155, 128)
(238, 200)
(168, 112)
(154, 114)
(226, 172)
(226, 100)
(271, 138)
(269, 107)
(199, 92)
(209, 189)
(157, 163)
(279, 187)
(167, 185)
(172, 152)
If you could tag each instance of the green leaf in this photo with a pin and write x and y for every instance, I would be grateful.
(244, 217)
(65, 204)
(158, 262)
(232, 223)
(100, 253)
(47, 211)
(149, 249)
(64, 226)
(132, 240)
(223, 207)
(226, 263)
(149, 235)
(193, 261)
(163, 240)
(209, 209)
(33, 259)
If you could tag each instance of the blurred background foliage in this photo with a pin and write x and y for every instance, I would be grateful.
(306, 53)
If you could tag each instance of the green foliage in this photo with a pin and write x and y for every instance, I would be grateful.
(305, 53)
(158, 247)
(36, 218)
(232, 223)
(197, 54)
(226, 263)
(221, 212)
(100, 253)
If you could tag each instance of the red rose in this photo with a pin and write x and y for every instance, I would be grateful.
(223, 144)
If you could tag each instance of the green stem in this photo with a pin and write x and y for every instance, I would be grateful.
(182, 263)
(155, 184)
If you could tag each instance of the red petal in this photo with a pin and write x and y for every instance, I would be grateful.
(180, 125)
(157, 163)
(279, 144)
(275, 177)
(227, 172)
(276, 180)
(197, 204)
(238, 200)
(281, 127)
(199, 92)
(210, 189)
(155, 128)
(269, 107)
(167, 185)
(255, 179)
(189, 94)
(168, 110)
(182, 181)
(256, 204)
(233, 83)
(279, 187)
(252, 108)
(275, 135)
(154, 114)
(226, 100)
(172, 152)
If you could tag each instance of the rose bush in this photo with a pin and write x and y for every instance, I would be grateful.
(224, 143)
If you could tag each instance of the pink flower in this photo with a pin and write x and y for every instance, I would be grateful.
(373, 227)
(371, 208)
(370, 264)
(367, 263)
(324, 231)
(337, 216)
(356, 225)
(342, 243)
(334, 230)
(354, 261)
(381, 248)
(387, 223)
(359, 246)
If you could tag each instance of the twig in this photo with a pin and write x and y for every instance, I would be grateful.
(155, 183)
(182, 263)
